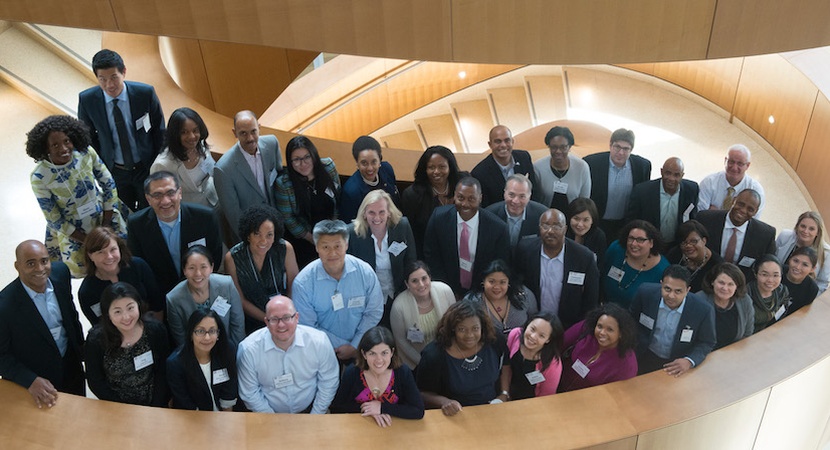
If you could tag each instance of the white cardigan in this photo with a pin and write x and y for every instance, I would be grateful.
(786, 243)
(405, 313)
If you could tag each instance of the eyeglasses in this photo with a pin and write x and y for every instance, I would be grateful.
(201, 332)
(159, 195)
(639, 240)
(548, 227)
(690, 243)
(301, 160)
(277, 320)
(620, 148)
(732, 162)
(559, 148)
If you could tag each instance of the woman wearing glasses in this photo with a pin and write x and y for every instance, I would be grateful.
(202, 372)
(632, 260)
(693, 254)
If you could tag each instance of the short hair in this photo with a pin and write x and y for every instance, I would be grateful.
(651, 232)
(37, 139)
(254, 216)
(692, 226)
(565, 132)
(627, 326)
(413, 266)
(804, 251)
(582, 204)
(740, 148)
(519, 178)
(110, 334)
(172, 134)
(221, 355)
(553, 348)
(197, 249)
(765, 259)
(457, 313)
(753, 193)
(623, 135)
(730, 270)
(376, 336)
(366, 143)
(361, 227)
(469, 181)
(818, 242)
(421, 177)
(107, 59)
(330, 228)
(677, 272)
(100, 237)
(514, 293)
(160, 175)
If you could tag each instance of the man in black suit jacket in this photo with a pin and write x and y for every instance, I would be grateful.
(680, 196)
(40, 335)
(517, 210)
(489, 239)
(629, 169)
(490, 171)
(196, 224)
(753, 238)
(677, 349)
(576, 290)
(143, 125)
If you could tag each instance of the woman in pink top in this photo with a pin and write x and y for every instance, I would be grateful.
(534, 365)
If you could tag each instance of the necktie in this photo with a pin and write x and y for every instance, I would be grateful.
(727, 201)
(123, 135)
(729, 256)
(466, 277)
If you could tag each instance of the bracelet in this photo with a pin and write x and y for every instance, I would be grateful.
(505, 393)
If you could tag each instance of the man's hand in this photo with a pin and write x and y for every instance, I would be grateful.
(43, 392)
(677, 367)
(345, 352)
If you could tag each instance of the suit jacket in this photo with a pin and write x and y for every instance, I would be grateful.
(599, 163)
(236, 185)
(27, 348)
(577, 298)
(489, 174)
(644, 203)
(146, 241)
(530, 226)
(364, 248)
(698, 316)
(759, 239)
(190, 389)
(143, 100)
(441, 246)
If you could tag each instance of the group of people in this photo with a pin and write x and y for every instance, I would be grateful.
(463, 289)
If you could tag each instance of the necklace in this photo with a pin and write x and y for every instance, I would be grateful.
(498, 309)
(688, 263)
(426, 308)
(442, 196)
(559, 173)
(469, 364)
(630, 282)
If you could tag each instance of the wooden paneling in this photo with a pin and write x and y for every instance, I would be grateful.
(94, 14)
(405, 140)
(815, 159)
(474, 121)
(440, 130)
(184, 62)
(512, 107)
(547, 96)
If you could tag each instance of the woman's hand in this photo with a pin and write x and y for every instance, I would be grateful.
(383, 420)
(451, 408)
(370, 408)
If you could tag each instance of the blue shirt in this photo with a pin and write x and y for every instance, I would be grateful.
(357, 296)
(48, 307)
(665, 328)
(173, 237)
(620, 183)
(124, 106)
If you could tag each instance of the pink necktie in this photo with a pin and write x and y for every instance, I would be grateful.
(464, 253)
(729, 256)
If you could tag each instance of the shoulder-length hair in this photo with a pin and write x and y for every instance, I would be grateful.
(100, 238)
(321, 176)
(627, 327)
(376, 336)
(111, 336)
(361, 226)
(651, 232)
(553, 349)
(457, 313)
(818, 242)
(221, 353)
(421, 177)
(730, 270)
(37, 139)
(514, 294)
(172, 134)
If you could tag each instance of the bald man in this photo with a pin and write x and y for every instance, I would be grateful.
(492, 172)
(666, 202)
(244, 174)
(40, 335)
(718, 190)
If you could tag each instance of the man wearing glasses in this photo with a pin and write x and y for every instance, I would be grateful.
(162, 233)
(718, 190)
(613, 175)
(286, 367)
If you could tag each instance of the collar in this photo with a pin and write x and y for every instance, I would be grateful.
(299, 340)
(729, 225)
(172, 223)
(560, 257)
(679, 309)
(522, 217)
(473, 222)
(627, 164)
(122, 97)
(32, 293)
(384, 240)
(348, 266)
(512, 162)
(663, 189)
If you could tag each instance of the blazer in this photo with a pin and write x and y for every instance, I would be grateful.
(599, 163)
(92, 111)
(746, 314)
(27, 348)
(698, 316)
(644, 203)
(364, 248)
(146, 241)
(576, 298)
(441, 246)
(489, 174)
(203, 193)
(236, 185)
(759, 239)
(530, 226)
(180, 306)
(355, 190)
(190, 389)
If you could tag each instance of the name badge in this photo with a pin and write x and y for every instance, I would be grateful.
(283, 381)
(143, 360)
(201, 242)
(577, 278)
(535, 377)
(87, 209)
(143, 122)
(337, 301)
(464, 264)
(580, 368)
(96, 309)
(414, 335)
(220, 376)
(560, 187)
(396, 248)
(357, 302)
(221, 306)
(688, 212)
(746, 261)
(616, 274)
(780, 312)
(647, 321)
(686, 335)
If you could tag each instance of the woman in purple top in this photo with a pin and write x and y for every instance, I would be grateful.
(600, 349)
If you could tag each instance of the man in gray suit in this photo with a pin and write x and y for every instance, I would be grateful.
(518, 211)
(245, 173)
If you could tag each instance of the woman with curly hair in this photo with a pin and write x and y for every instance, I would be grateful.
(188, 156)
(74, 189)
(631, 260)
(507, 301)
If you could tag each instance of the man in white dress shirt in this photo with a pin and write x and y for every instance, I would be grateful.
(719, 190)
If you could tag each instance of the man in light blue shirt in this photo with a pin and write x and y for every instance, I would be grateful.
(286, 367)
(338, 293)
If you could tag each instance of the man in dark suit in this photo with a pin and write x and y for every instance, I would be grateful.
(676, 328)
(517, 210)
(126, 125)
(40, 336)
(492, 172)
(453, 260)
(162, 233)
(613, 175)
(245, 174)
(561, 273)
(736, 235)
(670, 195)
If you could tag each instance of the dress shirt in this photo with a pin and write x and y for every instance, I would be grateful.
(383, 267)
(514, 225)
(255, 163)
(665, 328)
(668, 213)
(472, 224)
(124, 106)
(172, 232)
(310, 360)
(620, 183)
(507, 170)
(728, 226)
(551, 277)
(713, 191)
(360, 294)
(47, 306)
